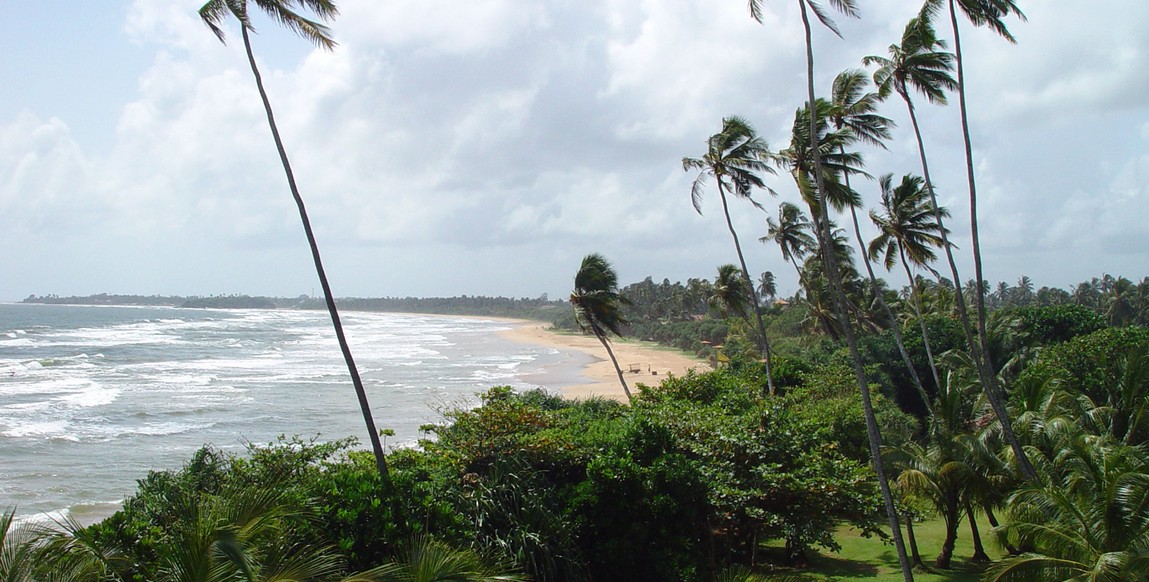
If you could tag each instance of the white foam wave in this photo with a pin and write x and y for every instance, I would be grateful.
(95, 395)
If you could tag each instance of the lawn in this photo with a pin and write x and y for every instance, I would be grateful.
(871, 559)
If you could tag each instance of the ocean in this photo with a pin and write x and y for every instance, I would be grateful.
(93, 397)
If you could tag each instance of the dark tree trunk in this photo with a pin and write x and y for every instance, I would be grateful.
(894, 327)
(992, 391)
(917, 303)
(952, 518)
(915, 555)
(979, 555)
(618, 370)
(831, 268)
(360, 392)
(764, 342)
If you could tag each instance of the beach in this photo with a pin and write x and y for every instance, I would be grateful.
(641, 362)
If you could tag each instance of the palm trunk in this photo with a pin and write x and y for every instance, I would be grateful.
(606, 344)
(915, 555)
(989, 383)
(979, 555)
(916, 301)
(979, 278)
(831, 266)
(365, 407)
(886, 309)
(764, 344)
(951, 518)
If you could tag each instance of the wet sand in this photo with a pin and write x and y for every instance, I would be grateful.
(641, 362)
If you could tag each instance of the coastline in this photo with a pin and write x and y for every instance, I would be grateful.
(641, 362)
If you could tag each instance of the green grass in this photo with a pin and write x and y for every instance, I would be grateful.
(871, 559)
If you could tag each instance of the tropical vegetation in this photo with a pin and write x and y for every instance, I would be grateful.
(849, 404)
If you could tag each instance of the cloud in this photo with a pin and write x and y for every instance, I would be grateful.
(448, 148)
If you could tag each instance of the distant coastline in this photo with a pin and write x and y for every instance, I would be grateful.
(537, 309)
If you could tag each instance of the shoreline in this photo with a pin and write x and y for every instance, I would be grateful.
(641, 362)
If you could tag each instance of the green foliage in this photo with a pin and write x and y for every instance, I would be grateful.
(1088, 364)
(641, 512)
(1058, 323)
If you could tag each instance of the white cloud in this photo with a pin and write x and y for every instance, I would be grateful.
(446, 143)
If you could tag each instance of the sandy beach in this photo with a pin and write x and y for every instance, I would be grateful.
(643, 362)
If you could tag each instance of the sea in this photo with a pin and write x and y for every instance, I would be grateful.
(92, 398)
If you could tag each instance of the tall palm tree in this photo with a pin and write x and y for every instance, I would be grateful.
(920, 63)
(731, 293)
(767, 286)
(907, 233)
(855, 111)
(597, 304)
(213, 13)
(989, 13)
(792, 235)
(734, 157)
(849, 8)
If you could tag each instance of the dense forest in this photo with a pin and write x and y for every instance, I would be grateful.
(1016, 417)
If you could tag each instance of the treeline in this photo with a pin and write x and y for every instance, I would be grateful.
(540, 308)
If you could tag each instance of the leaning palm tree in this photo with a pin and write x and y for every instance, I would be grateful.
(849, 8)
(731, 296)
(283, 11)
(907, 233)
(734, 157)
(597, 304)
(921, 63)
(855, 111)
(792, 235)
(989, 13)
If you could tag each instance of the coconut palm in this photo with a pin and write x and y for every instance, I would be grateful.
(1090, 521)
(907, 233)
(767, 287)
(849, 8)
(855, 110)
(731, 293)
(989, 13)
(428, 560)
(239, 535)
(735, 157)
(597, 304)
(19, 553)
(921, 64)
(213, 13)
(792, 235)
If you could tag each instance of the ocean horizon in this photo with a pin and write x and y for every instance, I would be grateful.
(92, 398)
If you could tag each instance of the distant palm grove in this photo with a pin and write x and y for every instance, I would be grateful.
(889, 396)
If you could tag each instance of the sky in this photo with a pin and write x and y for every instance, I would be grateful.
(483, 148)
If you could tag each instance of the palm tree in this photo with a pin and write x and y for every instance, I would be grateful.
(791, 234)
(428, 560)
(282, 11)
(919, 64)
(240, 535)
(767, 287)
(1090, 521)
(731, 293)
(849, 8)
(597, 305)
(734, 157)
(907, 231)
(981, 13)
(854, 110)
